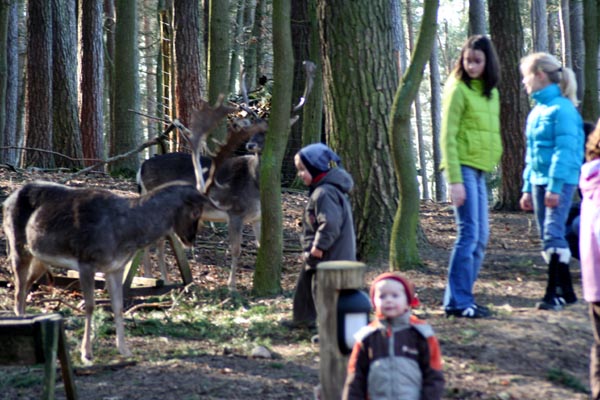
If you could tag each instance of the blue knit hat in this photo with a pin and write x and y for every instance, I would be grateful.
(318, 158)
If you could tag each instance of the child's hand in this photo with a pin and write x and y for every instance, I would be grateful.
(316, 252)
(457, 194)
(526, 202)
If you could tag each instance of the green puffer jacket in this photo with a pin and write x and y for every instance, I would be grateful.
(470, 128)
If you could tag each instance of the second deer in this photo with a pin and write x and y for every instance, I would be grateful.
(235, 195)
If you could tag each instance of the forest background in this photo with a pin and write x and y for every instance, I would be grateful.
(83, 82)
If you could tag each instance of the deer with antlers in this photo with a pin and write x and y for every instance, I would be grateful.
(235, 193)
(92, 230)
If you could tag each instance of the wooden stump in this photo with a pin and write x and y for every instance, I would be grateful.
(332, 277)
(38, 340)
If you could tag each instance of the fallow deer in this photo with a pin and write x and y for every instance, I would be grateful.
(92, 230)
(235, 193)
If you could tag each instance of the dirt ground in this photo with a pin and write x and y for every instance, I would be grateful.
(518, 353)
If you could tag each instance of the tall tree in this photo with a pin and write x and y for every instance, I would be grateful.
(255, 12)
(436, 122)
(312, 115)
(398, 36)
(13, 79)
(539, 25)
(590, 107)
(66, 137)
(236, 44)
(577, 43)
(5, 7)
(507, 35)
(477, 17)
(125, 88)
(270, 255)
(300, 28)
(91, 81)
(38, 95)
(565, 33)
(218, 56)
(360, 77)
(403, 241)
(418, 115)
(188, 60)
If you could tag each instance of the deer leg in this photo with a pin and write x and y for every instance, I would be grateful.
(27, 269)
(86, 280)
(114, 283)
(235, 226)
(160, 247)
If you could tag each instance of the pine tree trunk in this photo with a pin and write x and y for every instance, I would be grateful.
(507, 35)
(38, 95)
(91, 58)
(436, 122)
(13, 79)
(188, 61)
(218, 58)
(125, 88)
(590, 107)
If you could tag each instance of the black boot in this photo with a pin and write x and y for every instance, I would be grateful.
(551, 300)
(565, 285)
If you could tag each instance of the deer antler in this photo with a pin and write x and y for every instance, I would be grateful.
(204, 119)
(239, 131)
(309, 70)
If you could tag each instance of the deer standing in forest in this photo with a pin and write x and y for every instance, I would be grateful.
(235, 194)
(93, 230)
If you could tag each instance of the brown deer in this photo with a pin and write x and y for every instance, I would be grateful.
(92, 230)
(235, 193)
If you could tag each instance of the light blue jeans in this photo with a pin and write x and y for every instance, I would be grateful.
(551, 222)
(471, 241)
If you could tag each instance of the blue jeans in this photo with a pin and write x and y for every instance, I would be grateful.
(472, 237)
(551, 222)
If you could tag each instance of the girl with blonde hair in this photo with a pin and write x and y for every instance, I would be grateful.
(553, 157)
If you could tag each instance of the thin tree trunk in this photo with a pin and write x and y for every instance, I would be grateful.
(236, 46)
(539, 25)
(590, 107)
(436, 119)
(270, 255)
(404, 252)
(577, 43)
(565, 33)
(477, 17)
(13, 79)
(5, 7)
(218, 57)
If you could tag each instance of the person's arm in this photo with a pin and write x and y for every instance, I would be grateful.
(355, 387)
(431, 366)
(329, 213)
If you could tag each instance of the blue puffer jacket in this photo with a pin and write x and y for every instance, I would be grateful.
(554, 141)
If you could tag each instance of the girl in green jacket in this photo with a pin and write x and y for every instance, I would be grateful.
(471, 147)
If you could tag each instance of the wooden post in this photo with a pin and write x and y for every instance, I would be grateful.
(38, 340)
(332, 277)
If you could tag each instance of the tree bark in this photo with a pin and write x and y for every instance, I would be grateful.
(91, 83)
(360, 77)
(218, 57)
(507, 35)
(539, 25)
(477, 17)
(577, 43)
(125, 88)
(38, 96)
(270, 254)
(590, 107)
(404, 238)
(5, 7)
(188, 61)
(436, 122)
(65, 116)
(13, 80)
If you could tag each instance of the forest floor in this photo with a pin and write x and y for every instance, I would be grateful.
(195, 343)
